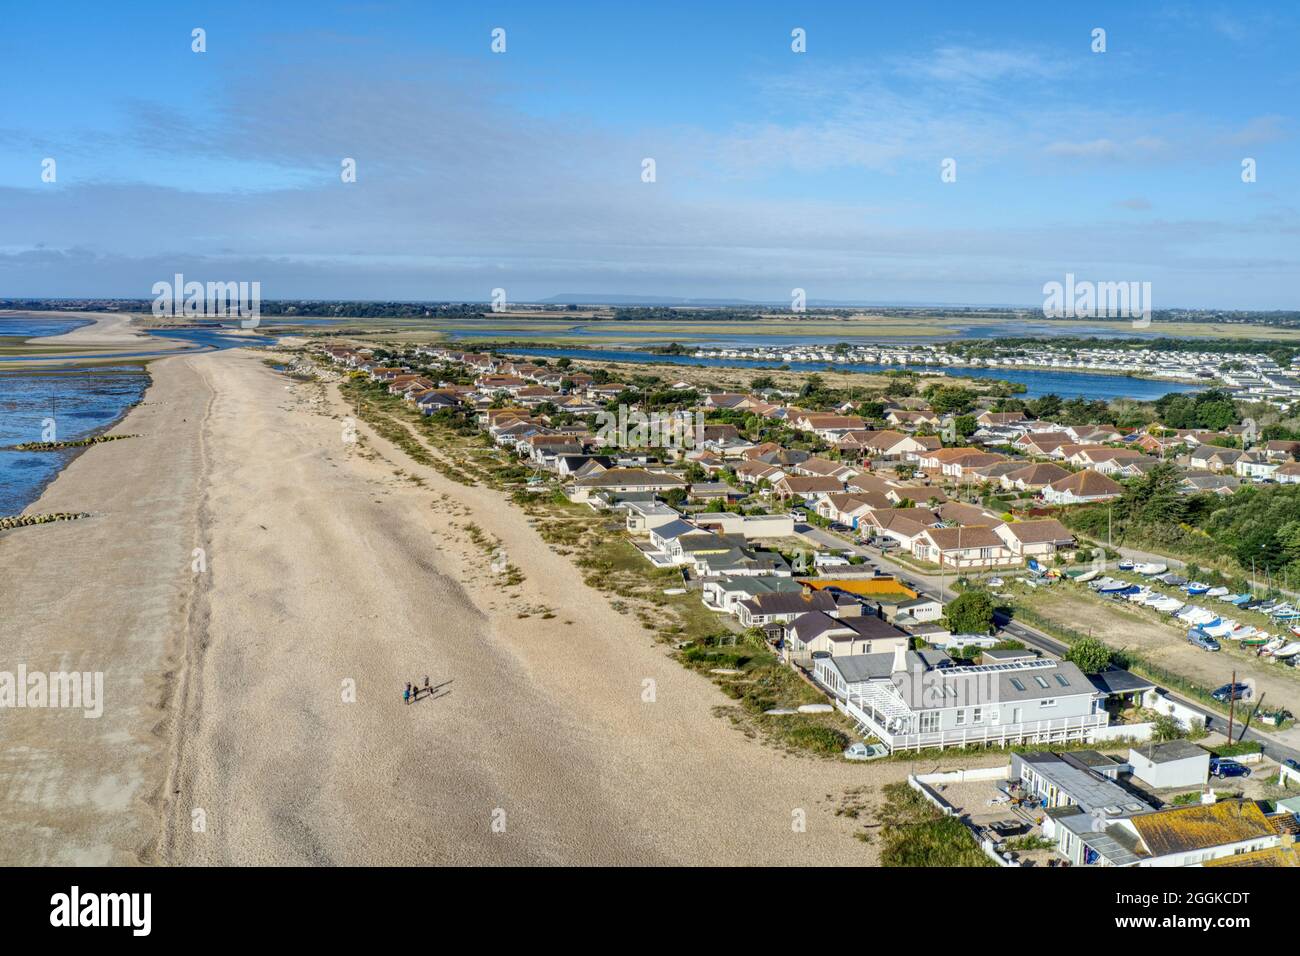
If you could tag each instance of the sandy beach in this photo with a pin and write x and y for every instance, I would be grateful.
(253, 708)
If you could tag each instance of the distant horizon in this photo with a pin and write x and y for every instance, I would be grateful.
(940, 155)
(628, 299)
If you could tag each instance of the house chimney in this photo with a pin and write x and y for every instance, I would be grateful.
(900, 658)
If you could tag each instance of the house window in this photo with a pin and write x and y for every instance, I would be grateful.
(977, 715)
(929, 721)
(1048, 702)
(961, 717)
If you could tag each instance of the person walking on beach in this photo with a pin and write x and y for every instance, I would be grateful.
(406, 694)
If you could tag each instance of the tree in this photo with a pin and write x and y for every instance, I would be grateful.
(1090, 654)
(971, 612)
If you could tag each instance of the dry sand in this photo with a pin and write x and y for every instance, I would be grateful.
(227, 690)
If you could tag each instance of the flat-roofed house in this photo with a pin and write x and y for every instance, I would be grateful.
(1174, 763)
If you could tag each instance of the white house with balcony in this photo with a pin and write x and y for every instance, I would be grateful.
(1021, 702)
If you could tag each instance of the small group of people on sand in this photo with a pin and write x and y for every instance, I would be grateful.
(413, 691)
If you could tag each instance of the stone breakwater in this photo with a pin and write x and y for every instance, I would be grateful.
(61, 445)
(23, 521)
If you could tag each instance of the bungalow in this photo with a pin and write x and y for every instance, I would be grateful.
(729, 554)
(973, 546)
(1288, 474)
(1196, 835)
(724, 400)
(958, 512)
(848, 507)
(911, 420)
(1194, 482)
(1082, 486)
(1033, 477)
(816, 634)
(1035, 539)
(801, 487)
(829, 427)
(726, 593)
(1000, 418)
(1214, 458)
(825, 468)
(884, 444)
(1282, 450)
(752, 472)
(1042, 444)
(1255, 465)
(714, 491)
(1094, 434)
(960, 467)
(902, 525)
(623, 481)
(932, 462)
(782, 607)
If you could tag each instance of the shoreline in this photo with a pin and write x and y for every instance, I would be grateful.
(75, 452)
(80, 791)
(328, 563)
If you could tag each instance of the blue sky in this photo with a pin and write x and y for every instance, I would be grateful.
(774, 169)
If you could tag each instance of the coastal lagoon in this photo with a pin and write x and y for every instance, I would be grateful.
(1037, 382)
(75, 403)
(79, 402)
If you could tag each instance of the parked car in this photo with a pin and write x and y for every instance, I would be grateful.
(798, 514)
(1229, 692)
(1202, 640)
(1293, 764)
(1223, 767)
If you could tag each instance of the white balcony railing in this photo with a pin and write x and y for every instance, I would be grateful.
(1001, 735)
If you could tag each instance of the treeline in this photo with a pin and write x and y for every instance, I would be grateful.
(1256, 528)
(300, 308)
